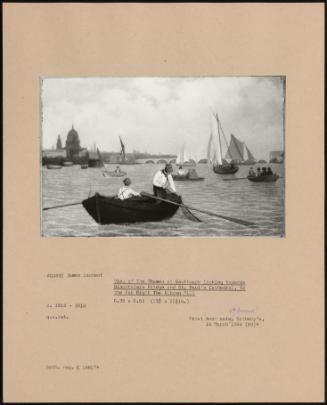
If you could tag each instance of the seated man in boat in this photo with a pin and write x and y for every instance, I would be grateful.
(126, 191)
(258, 171)
(251, 172)
(181, 171)
(117, 170)
(163, 182)
(264, 171)
(269, 171)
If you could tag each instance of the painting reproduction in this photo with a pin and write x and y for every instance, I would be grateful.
(163, 156)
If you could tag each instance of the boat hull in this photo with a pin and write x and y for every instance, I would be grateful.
(225, 169)
(264, 179)
(114, 174)
(112, 210)
(53, 167)
(178, 177)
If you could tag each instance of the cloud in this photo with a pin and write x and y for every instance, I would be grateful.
(162, 114)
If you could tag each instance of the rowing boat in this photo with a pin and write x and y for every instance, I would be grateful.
(267, 178)
(52, 167)
(111, 210)
(113, 174)
(186, 177)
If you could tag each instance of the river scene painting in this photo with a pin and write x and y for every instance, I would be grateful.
(163, 156)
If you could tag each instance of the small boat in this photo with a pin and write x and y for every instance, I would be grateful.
(267, 178)
(191, 175)
(183, 160)
(111, 210)
(113, 174)
(185, 177)
(84, 166)
(220, 165)
(226, 168)
(52, 167)
(67, 163)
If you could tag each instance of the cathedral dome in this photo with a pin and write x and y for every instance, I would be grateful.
(72, 141)
(72, 144)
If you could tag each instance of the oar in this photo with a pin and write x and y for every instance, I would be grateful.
(60, 206)
(189, 215)
(236, 220)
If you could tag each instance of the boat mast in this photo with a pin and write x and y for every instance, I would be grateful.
(220, 160)
(225, 139)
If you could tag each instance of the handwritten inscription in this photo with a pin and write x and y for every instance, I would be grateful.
(72, 367)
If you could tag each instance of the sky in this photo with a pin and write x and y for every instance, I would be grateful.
(163, 114)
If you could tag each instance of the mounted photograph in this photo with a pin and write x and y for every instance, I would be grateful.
(163, 156)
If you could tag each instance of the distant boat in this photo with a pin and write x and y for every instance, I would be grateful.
(112, 210)
(183, 160)
(84, 166)
(262, 161)
(186, 177)
(149, 162)
(122, 157)
(52, 167)
(112, 173)
(220, 165)
(201, 161)
(276, 156)
(268, 178)
(274, 160)
(239, 153)
(191, 175)
(67, 163)
(162, 162)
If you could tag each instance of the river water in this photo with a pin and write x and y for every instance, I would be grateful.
(261, 203)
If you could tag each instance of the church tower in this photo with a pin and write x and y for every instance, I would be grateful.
(59, 144)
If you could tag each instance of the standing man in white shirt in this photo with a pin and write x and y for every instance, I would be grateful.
(163, 182)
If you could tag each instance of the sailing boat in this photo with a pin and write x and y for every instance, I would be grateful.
(239, 153)
(220, 165)
(123, 160)
(183, 160)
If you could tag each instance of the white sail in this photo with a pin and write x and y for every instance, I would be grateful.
(182, 157)
(245, 152)
(185, 157)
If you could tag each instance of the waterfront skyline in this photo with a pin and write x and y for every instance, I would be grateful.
(160, 115)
